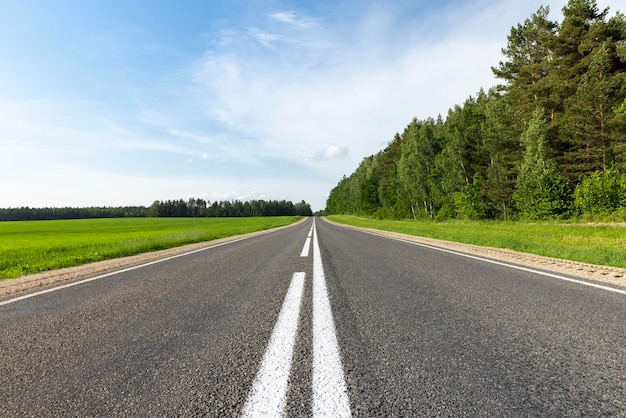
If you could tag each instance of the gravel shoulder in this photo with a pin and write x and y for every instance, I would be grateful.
(602, 274)
(10, 288)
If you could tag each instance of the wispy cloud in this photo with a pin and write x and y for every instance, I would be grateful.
(235, 195)
(366, 82)
(294, 19)
(277, 101)
(195, 136)
(264, 38)
(349, 99)
(333, 152)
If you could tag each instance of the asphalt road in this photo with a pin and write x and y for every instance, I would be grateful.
(385, 328)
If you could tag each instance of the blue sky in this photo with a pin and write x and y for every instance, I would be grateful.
(126, 102)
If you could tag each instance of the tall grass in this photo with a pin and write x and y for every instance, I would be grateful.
(35, 246)
(602, 244)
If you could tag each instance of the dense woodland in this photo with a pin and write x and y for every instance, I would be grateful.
(201, 208)
(548, 142)
(170, 208)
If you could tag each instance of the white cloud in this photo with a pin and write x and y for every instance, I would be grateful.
(79, 187)
(359, 85)
(64, 129)
(235, 195)
(350, 97)
(264, 38)
(333, 152)
(294, 19)
(283, 87)
(198, 137)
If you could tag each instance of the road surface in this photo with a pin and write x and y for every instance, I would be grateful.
(316, 320)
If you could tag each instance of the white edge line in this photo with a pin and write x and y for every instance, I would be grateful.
(113, 273)
(268, 395)
(330, 393)
(513, 266)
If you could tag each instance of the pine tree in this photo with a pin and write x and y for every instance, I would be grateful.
(591, 116)
(529, 65)
(504, 151)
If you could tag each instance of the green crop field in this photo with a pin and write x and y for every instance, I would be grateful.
(601, 244)
(35, 246)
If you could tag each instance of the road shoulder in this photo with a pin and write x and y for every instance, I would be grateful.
(11, 288)
(602, 274)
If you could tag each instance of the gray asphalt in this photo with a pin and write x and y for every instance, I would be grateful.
(421, 333)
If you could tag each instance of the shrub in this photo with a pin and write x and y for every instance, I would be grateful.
(601, 193)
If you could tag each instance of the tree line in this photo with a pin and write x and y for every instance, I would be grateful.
(51, 213)
(202, 208)
(549, 142)
(192, 207)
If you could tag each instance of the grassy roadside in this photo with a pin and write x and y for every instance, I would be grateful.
(36, 246)
(601, 244)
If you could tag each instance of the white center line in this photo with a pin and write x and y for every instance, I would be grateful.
(269, 392)
(330, 394)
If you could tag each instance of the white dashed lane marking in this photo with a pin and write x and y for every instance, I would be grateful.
(269, 391)
(305, 248)
(329, 391)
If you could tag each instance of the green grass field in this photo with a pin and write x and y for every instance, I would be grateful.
(35, 246)
(602, 244)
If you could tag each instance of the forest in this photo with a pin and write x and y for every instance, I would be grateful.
(201, 208)
(548, 142)
(191, 208)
